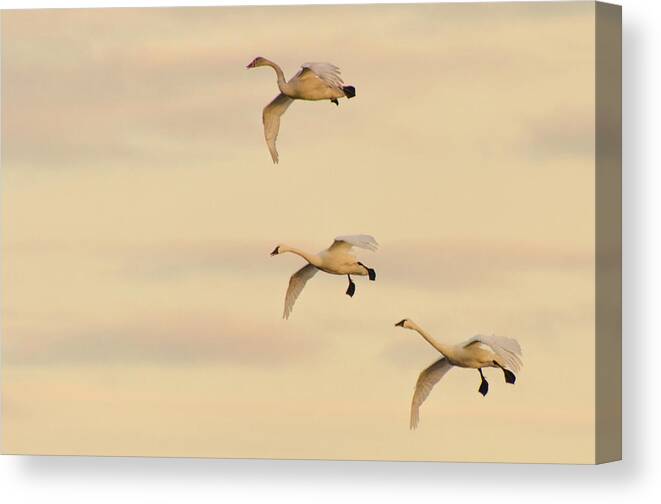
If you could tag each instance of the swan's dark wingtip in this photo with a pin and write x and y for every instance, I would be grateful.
(349, 91)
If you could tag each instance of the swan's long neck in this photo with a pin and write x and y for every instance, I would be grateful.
(313, 259)
(441, 347)
(282, 83)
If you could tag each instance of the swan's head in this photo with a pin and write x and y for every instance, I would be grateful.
(405, 323)
(276, 251)
(257, 62)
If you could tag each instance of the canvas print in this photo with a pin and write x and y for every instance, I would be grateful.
(364, 232)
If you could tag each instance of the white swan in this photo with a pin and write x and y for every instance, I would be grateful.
(336, 260)
(477, 352)
(314, 81)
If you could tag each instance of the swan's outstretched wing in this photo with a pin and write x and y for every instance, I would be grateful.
(346, 242)
(327, 72)
(426, 381)
(296, 284)
(507, 349)
(271, 119)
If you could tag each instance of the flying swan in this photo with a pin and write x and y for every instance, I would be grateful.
(314, 81)
(476, 353)
(336, 260)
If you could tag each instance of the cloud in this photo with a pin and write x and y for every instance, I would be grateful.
(433, 269)
(447, 264)
(124, 95)
(172, 261)
(561, 135)
(181, 339)
(462, 265)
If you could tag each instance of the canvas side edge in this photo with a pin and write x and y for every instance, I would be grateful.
(608, 230)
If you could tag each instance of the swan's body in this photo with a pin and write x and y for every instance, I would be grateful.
(476, 353)
(314, 81)
(335, 260)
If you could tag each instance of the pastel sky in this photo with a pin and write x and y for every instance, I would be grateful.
(141, 311)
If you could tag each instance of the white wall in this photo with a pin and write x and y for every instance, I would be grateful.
(104, 480)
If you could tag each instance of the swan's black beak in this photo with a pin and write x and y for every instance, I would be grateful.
(400, 323)
(254, 62)
(276, 251)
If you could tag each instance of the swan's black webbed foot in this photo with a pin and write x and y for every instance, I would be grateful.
(352, 287)
(334, 100)
(484, 385)
(371, 274)
(509, 376)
